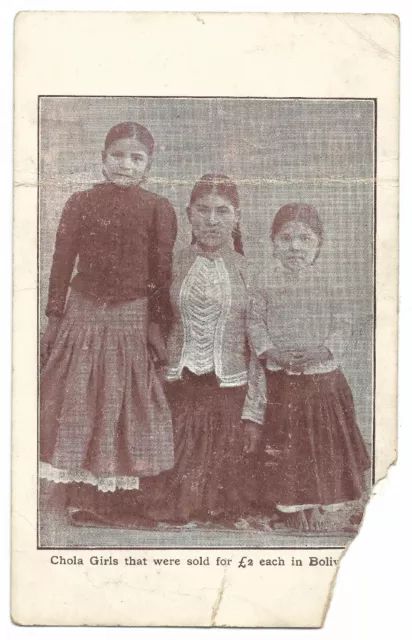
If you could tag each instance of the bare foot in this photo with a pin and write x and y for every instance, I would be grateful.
(356, 519)
(89, 518)
(242, 524)
(275, 517)
(315, 519)
(296, 520)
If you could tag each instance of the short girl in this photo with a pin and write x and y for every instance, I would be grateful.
(105, 421)
(208, 370)
(314, 455)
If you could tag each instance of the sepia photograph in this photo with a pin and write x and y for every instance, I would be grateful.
(205, 309)
(206, 321)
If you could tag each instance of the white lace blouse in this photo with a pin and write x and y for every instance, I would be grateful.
(202, 306)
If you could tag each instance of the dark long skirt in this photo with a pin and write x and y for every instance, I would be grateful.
(212, 477)
(313, 452)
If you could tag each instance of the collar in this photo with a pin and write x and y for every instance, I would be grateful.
(223, 252)
(106, 184)
(290, 277)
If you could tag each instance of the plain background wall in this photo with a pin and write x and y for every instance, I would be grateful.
(278, 151)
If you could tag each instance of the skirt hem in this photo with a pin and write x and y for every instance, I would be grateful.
(103, 483)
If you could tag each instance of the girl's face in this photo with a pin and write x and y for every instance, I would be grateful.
(296, 245)
(212, 218)
(126, 162)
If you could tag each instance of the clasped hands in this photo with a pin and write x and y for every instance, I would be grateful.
(296, 360)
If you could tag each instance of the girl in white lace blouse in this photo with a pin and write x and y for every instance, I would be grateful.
(208, 370)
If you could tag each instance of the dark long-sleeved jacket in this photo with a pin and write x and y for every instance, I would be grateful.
(123, 238)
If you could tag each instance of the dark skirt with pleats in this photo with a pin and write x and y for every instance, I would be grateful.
(105, 421)
(312, 450)
(212, 476)
(104, 417)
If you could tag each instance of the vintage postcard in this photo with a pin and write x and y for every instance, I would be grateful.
(205, 312)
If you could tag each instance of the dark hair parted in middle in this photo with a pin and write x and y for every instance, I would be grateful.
(223, 186)
(305, 213)
(215, 183)
(130, 130)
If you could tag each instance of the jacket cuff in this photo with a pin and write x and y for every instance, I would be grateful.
(254, 415)
(262, 346)
(336, 347)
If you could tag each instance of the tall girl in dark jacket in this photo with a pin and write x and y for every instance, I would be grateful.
(105, 421)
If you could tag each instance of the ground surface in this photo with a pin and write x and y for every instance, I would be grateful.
(56, 531)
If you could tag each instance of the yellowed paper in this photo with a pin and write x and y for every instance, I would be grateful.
(294, 108)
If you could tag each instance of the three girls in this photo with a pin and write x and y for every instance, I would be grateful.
(107, 424)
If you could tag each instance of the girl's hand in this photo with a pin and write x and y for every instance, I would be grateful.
(290, 359)
(300, 359)
(157, 343)
(252, 437)
(319, 355)
(48, 339)
(287, 359)
(271, 354)
(161, 373)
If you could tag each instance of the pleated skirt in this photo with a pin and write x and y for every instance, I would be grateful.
(312, 452)
(212, 477)
(104, 417)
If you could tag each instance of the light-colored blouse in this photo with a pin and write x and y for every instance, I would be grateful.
(224, 343)
(202, 300)
(301, 311)
(226, 278)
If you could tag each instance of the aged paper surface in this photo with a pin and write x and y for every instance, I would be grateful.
(294, 108)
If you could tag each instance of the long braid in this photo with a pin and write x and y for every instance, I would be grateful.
(237, 239)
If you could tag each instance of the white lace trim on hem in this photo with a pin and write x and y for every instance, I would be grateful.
(103, 483)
